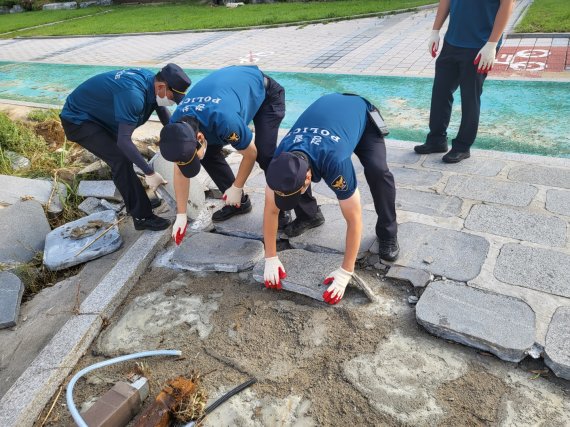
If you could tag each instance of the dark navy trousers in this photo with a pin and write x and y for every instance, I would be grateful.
(454, 68)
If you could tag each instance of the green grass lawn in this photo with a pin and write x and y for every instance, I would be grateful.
(190, 15)
(12, 22)
(546, 16)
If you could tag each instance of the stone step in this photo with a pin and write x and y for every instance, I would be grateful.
(557, 349)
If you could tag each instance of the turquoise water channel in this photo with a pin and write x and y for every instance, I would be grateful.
(518, 116)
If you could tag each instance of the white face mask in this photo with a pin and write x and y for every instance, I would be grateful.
(164, 102)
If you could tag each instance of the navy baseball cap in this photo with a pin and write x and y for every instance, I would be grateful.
(286, 176)
(177, 80)
(178, 144)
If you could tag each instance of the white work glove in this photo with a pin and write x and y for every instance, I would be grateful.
(486, 57)
(179, 228)
(337, 280)
(433, 43)
(154, 180)
(273, 273)
(232, 196)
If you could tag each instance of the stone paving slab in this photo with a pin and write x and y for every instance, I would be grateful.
(11, 291)
(501, 325)
(543, 175)
(473, 166)
(23, 227)
(331, 236)
(558, 201)
(400, 156)
(306, 272)
(216, 252)
(247, 226)
(449, 253)
(557, 349)
(62, 250)
(518, 224)
(415, 177)
(13, 189)
(433, 204)
(490, 190)
(418, 278)
(100, 189)
(534, 268)
(91, 205)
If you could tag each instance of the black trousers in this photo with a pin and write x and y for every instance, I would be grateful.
(266, 122)
(454, 68)
(103, 144)
(371, 151)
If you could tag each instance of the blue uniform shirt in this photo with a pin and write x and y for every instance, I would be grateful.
(471, 22)
(224, 103)
(122, 96)
(328, 132)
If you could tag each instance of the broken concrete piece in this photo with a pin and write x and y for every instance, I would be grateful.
(98, 167)
(65, 246)
(418, 278)
(59, 6)
(11, 291)
(306, 272)
(557, 349)
(215, 252)
(502, 325)
(100, 189)
(23, 227)
(91, 205)
(13, 189)
(17, 161)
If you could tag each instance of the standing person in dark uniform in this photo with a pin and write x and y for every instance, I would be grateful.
(216, 112)
(469, 48)
(101, 115)
(319, 146)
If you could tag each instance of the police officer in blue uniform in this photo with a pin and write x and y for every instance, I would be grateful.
(319, 146)
(469, 48)
(216, 112)
(101, 115)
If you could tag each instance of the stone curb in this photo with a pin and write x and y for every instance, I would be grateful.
(24, 401)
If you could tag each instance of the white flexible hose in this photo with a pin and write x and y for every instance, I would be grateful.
(69, 392)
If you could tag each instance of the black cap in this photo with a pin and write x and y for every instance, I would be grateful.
(286, 176)
(177, 80)
(178, 144)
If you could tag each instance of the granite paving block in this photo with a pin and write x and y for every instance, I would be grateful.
(23, 227)
(306, 272)
(453, 254)
(216, 252)
(558, 201)
(415, 177)
(534, 268)
(518, 224)
(474, 165)
(100, 189)
(67, 245)
(490, 190)
(418, 278)
(499, 324)
(248, 226)
(91, 205)
(557, 349)
(13, 189)
(398, 155)
(196, 198)
(331, 236)
(427, 203)
(11, 291)
(543, 175)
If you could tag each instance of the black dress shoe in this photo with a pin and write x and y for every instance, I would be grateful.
(228, 211)
(455, 156)
(299, 226)
(388, 249)
(285, 219)
(153, 222)
(431, 148)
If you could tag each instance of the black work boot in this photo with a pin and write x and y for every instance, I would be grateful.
(285, 219)
(299, 226)
(152, 222)
(455, 156)
(431, 148)
(228, 211)
(388, 249)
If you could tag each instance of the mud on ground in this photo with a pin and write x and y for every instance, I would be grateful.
(353, 364)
